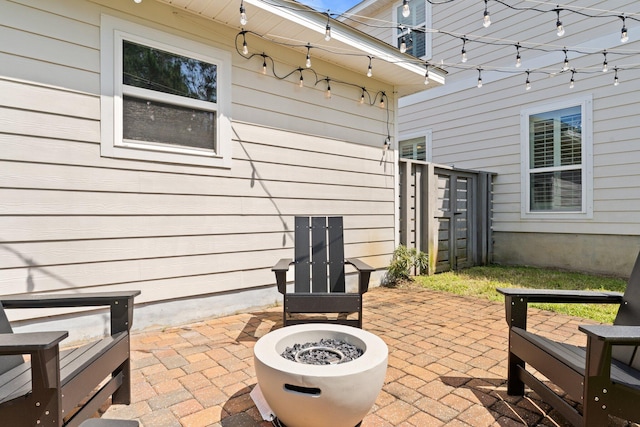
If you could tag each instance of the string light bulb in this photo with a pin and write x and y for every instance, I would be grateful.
(327, 31)
(308, 61)
(362, 96)
(518, 58)
(403, 45)
(486, 20)
(479, 77)
(382, 95)
(264, 64)
(624, 35)
(385, 144)
(463, 56)
(243, 14)
(301, 82)
(245, 48)
(328, 93)
(559, 27)
(605, 66)
(137, 1)
(616, 82)
(565, 66)
(527, 84)
(406, 11)
(426, 74)
(572, 82)
(370, 69)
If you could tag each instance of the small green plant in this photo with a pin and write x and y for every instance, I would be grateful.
(405, 261)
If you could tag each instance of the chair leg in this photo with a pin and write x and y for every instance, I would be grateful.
(515, 386)
(594, 412)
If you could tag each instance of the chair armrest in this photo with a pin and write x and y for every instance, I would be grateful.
(282, 265)
(518, 299)
(65, 300)
(562, 296)
(29, 342)
(364, 273)
(120, 303)
(615, 334)
(359, 265)
(280, 269)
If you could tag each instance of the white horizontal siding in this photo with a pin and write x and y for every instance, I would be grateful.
(73, 220)
(479, 128)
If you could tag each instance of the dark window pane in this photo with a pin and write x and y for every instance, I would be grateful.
(151, 121)
(161, 71)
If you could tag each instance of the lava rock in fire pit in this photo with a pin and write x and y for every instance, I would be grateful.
(327, 351)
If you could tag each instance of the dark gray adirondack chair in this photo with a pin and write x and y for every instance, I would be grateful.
(604, 376)
(319, 283)
(57, 388)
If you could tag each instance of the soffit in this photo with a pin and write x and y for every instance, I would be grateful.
(284, 20)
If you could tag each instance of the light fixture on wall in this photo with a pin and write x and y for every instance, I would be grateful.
(486, 19)
(559, 26)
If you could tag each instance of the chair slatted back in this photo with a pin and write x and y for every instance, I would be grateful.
(319, 255)
(7, 362)
(629, 315)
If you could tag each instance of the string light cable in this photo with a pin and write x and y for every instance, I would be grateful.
(365, 97)
(466, 40)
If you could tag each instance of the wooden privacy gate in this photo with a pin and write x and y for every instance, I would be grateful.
(446, 213)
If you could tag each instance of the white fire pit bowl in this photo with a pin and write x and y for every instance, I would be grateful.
(304, 395)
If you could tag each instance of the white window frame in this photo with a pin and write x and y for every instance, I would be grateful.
(113, 31)
(586, 212)
(426, 133)
(395, 36)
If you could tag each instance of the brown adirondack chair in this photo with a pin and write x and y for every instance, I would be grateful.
(604, 376)
(55, 388)
(319, 282)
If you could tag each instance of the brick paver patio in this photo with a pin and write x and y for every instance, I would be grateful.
(447, 366)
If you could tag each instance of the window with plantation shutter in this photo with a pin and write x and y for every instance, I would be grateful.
(413, 28)
(556, 148)
(416, 147)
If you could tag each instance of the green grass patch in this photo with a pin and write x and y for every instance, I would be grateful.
(483, 281)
